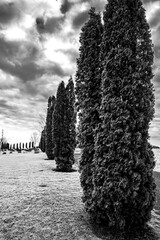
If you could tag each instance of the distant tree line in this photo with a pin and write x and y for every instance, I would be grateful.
(58, 138)
(17, 146)
(21, 146)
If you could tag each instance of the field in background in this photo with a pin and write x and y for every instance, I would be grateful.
(39, 203)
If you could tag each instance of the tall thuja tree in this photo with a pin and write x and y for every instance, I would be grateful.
(88, 97)
(42, 140)
(124, 188)
(49, 141)
(61, 134)
(71, 117)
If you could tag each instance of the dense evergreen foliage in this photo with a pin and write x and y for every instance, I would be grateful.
(124, 188)
(88, 97)
(17, 148)
(79, 136)
(42, 143)
(71, 117)
(61, 132)
(49, 141)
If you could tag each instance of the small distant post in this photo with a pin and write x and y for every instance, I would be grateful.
(1, 140)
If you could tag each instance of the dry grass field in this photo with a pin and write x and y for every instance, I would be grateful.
(39, 203)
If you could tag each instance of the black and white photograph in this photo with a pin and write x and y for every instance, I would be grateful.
(79, 119)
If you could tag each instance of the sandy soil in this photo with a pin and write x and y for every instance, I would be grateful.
(39, 203)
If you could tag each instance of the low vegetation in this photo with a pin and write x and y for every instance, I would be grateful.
(39, 203)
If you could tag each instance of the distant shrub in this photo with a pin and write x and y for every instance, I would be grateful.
(42, 143)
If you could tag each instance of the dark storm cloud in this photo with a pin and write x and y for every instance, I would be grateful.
(158, 106)
(6, 108)
(11, 63)
(9, 12)
(80, 19)
(66, 6)
(7, 49)
(41, 89)
(50, 25)
(7, 85)
(157, 78)
(57, 70)
(155, 19)
(10, 50)
(156, 36)
(4, 104)
(98, 5)
(26, 67)
(157, 51)
(25, 71)
(31, 70)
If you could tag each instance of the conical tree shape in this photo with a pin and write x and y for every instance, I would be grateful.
(49, 141)
(42, 141)
(124, 188)
(61, 134)
(71, 117)
(88, 97)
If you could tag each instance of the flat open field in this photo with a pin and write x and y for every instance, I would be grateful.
(39, 203)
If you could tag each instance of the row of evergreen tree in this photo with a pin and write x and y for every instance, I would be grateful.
(115, 101)
(17, 146)
(58, 139)
(20, 146)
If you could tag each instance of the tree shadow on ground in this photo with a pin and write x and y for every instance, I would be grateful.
(67, 171)
(102, 232)
(47, 159)
(146, 233)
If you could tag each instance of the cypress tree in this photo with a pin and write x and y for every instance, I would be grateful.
(17, 148)
(124, 188)
(49, 141)
(8, 146)
(42, 141)
(88, 97)
(71, 117)
(62, 149)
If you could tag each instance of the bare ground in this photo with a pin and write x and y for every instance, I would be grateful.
(39, 203)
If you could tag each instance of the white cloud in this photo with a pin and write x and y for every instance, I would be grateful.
(151, 8)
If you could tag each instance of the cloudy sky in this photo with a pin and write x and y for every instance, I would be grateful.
(39, 42)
